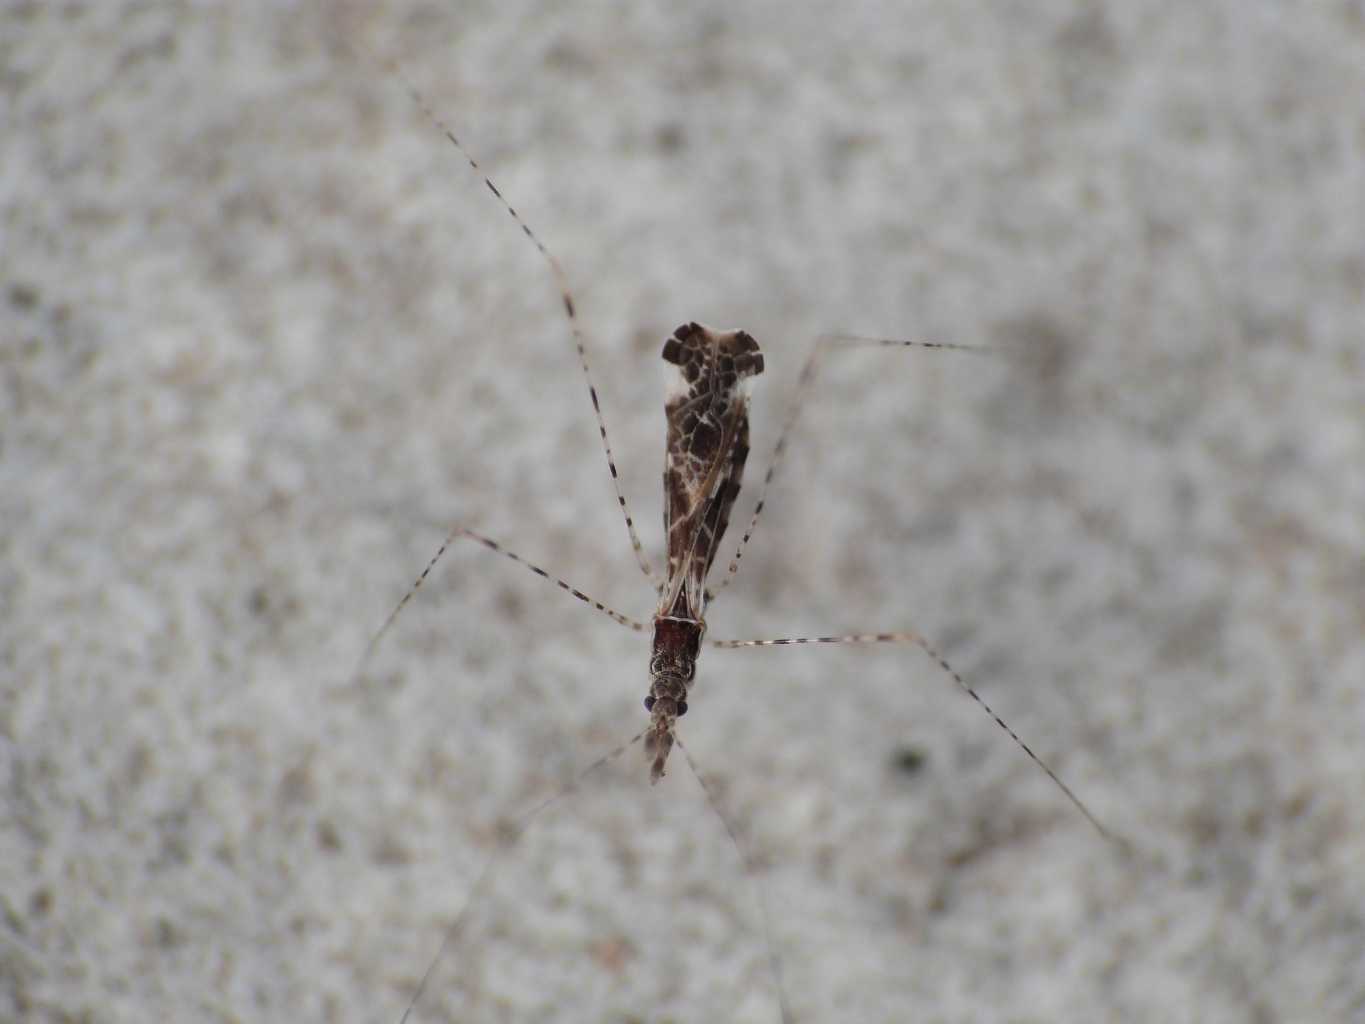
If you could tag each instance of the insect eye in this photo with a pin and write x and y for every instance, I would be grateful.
(649, 703)
(682, 708)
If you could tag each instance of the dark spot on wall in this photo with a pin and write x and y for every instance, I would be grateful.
(670, 138)
(909, 760)
(23, 296)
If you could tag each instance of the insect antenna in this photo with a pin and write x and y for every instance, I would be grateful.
(823, 344)
(516, 831)
(911, 637)
(774, 957)
(566, 301)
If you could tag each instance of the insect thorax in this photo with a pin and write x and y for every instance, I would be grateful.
(677, 642)
(672, 667)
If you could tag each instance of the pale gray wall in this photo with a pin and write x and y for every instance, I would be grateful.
(262, 334)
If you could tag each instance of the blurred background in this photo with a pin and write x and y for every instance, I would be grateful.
(263, 336)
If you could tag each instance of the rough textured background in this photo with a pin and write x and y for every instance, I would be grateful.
(262, 335)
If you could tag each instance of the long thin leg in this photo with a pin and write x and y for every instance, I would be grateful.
(456, 532)
(567, 301)
(910, 637)
(518, 829)
(803, 384)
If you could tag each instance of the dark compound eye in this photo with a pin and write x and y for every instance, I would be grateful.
(649, 703)
(682, 708)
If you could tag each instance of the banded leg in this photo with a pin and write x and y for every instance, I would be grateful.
(911, 637)
(566, 299)
(803, 383)
(518, 829)
(456, 532)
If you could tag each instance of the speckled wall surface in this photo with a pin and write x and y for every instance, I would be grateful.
(263, 335)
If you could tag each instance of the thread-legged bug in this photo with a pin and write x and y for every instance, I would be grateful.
(707, 447)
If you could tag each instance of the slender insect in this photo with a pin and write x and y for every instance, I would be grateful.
(707, 447)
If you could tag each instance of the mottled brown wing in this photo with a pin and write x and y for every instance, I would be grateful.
(708, 443)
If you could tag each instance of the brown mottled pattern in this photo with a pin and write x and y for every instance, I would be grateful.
(708, 443)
